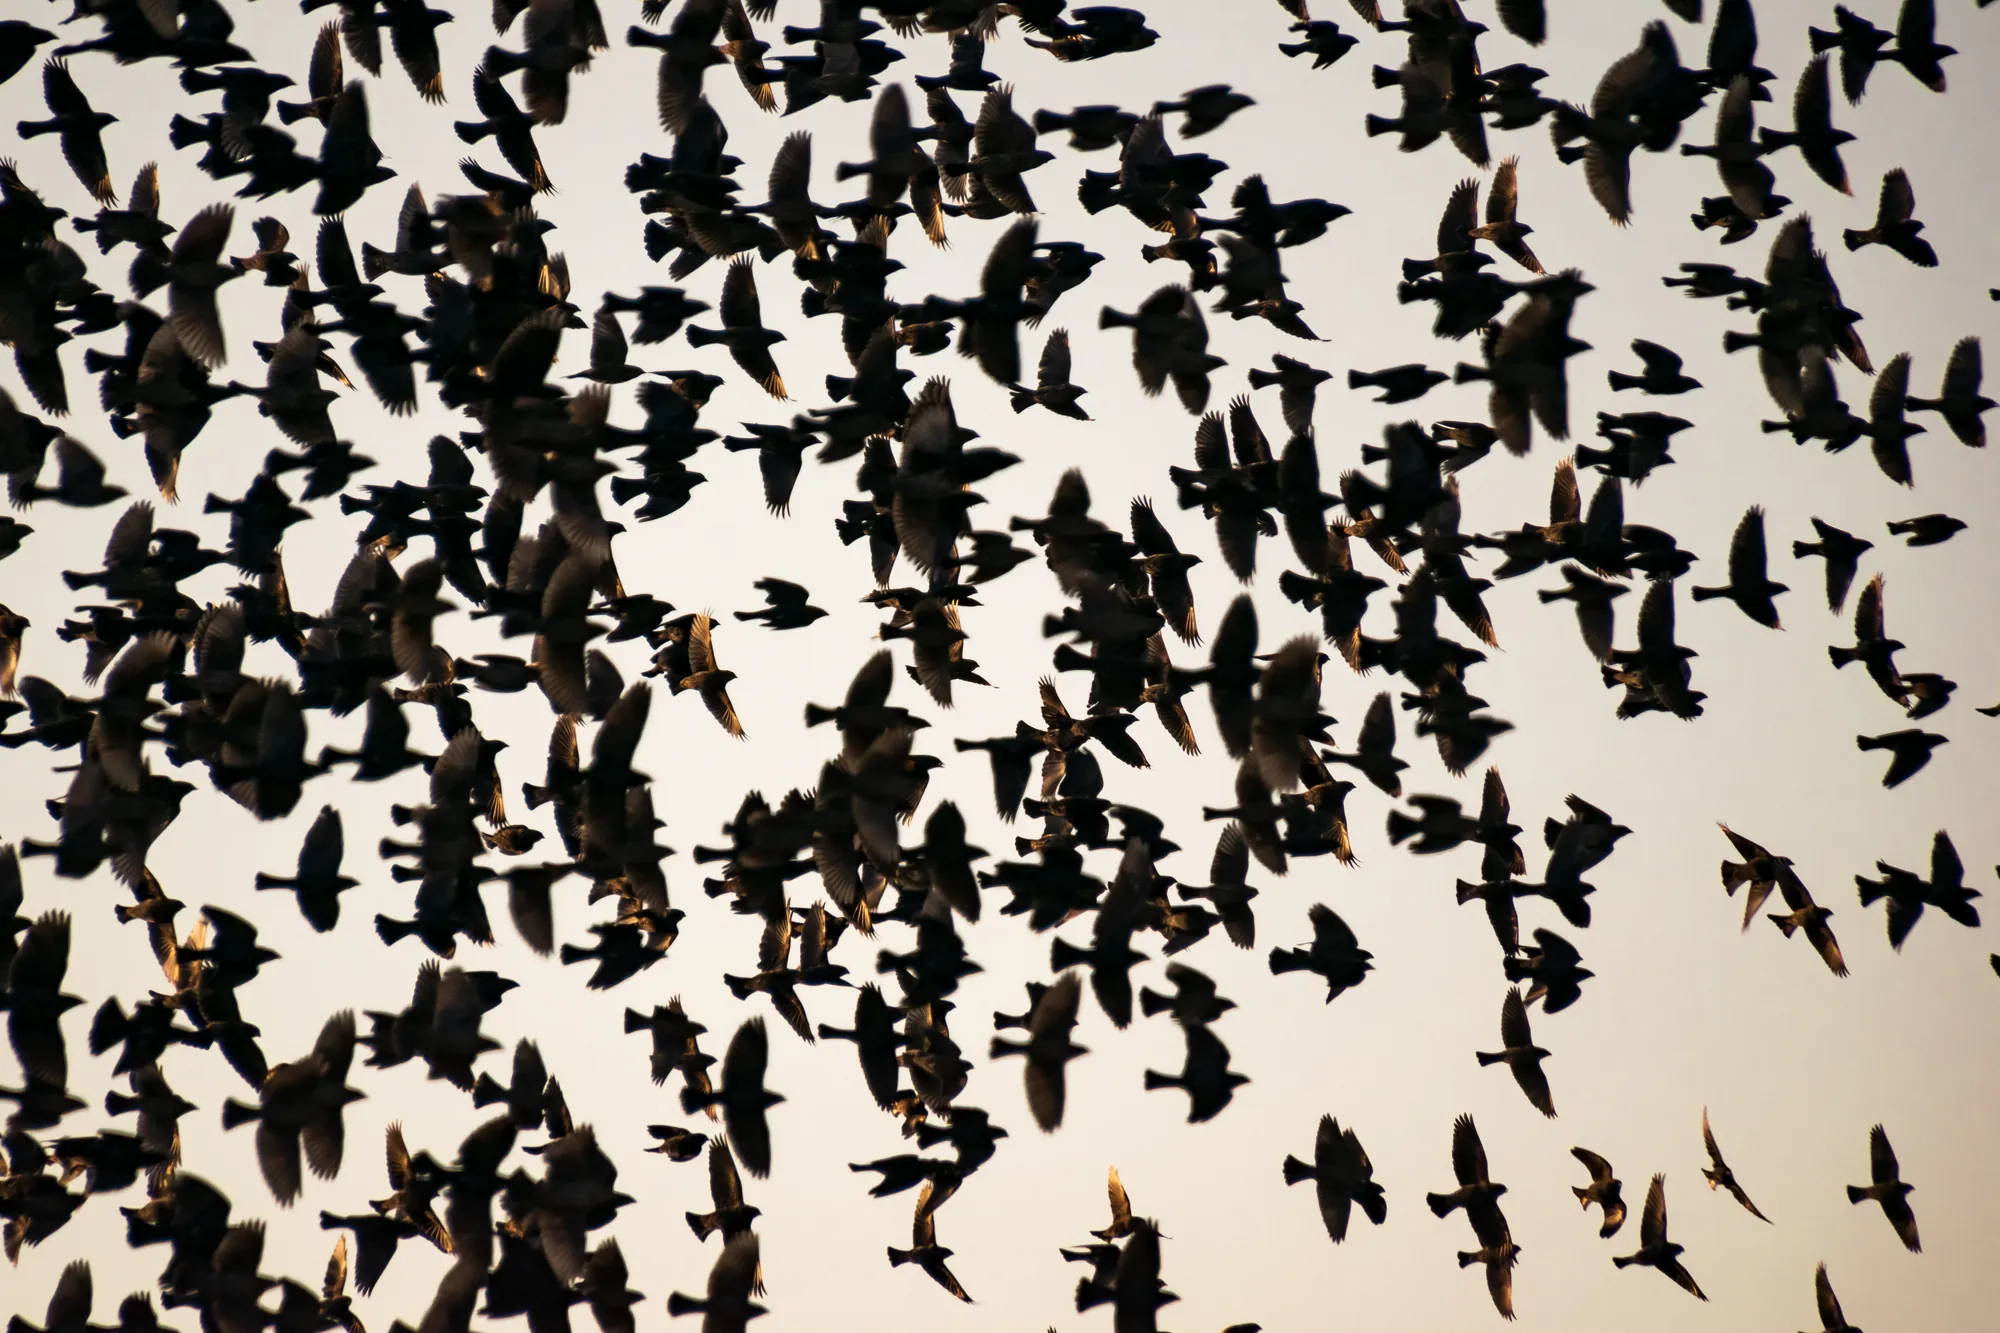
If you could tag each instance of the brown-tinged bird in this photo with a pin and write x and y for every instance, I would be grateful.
(1166, 567)
(1334, 955)
(1048, 1049)
(80, 126)
(1831, 1319)
(924, 1250)
(1375, 748)
(743, 331)
(1604, 1190)
(1718, 1174)
(1342, 1177)
(1655, 1250)
(1502, 229)
(1896, 225)
(1886, 1187)
(1121, 1209)
(727, 1307)
(707, 679)
(1053, 389)
(302, 1101)
(1889, 429)
(1520, 1054)
(1809, 916)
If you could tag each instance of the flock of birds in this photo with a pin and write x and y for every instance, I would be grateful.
(468, 304)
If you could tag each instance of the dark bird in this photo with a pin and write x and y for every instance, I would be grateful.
(1053, 389)
(1909, 750)
(1927, 529)
(1959, 401)
(1886, 1187)
(743, 331)
(1655, 1250)
(743, 1097)
(1048, 1049)
(1718, 1174)
(1603, 1190)
(1334, 955)
(1896, 225)
(1342, 1177)
(1520, 1054)
(302, 1101)
(1205, 1075)
(924, 1250)
(1842, 552)
(1909, 894)
(789, 606)
(726, 1307)
(1749, 586)
(1399, 384)
(1830, 1317)
(1873, 648)
(1660, 371)
(80, 127)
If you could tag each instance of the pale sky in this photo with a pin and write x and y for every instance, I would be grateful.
(1685, 1011)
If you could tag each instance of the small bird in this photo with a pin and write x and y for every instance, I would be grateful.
(1399, 384)
(1830, 1317)
(790, 606)
(1927, 529)
(1334, 955)
(1959, 401)
(1749, 586)
(727, 1306)
(1121, 1209)
(1873, 648)
(1842, 552)
(1886, 1187)
(924, 1250)
(1896, 224)
(743, 331)
(1053, 389)
(1718, 1174)
(743, 1097)
(1205, 1074)
(79, 126)
(1048, 1049)
(1603, 1190)
(1520, 1054)
(1655, 1250)
(1661, 372)
(1909, 750)
(1342, 1176)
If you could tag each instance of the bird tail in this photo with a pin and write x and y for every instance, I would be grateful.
(488, 1092)
(1097, 191)
(501, 62)
(1152, 1002)
(1264, 379)
(291, 113)
(1582, 1195)
(678, 1305)
(374, 261)
(1486, 1058)
(391, 929)
(660, 241)
(1289, 960)
(1064, 955)
(1784, 924)
(1048, 122)
(694, 1099)
(1467, 892)
(847, 171)
(1516, 968)
(1155, 1080)
(628, 488)
(1377, 125)
(1295, 1171)
(1467, 1258)
(1627, 1260)
(1800, 550)
(816, 715)
(1707, 594)
(1021, 399)
(1855, 239)
(1856, 1194)
(738, 986)
(1732, 341)
(1360, 379)
(1115, 319)
(636, 1021)
(897, 1258)
(1440, 1205)
(472, 131)
(703, 1227)
(1871, 889)
(1589, 457)
(1620, 380)
(570, 953)
(700, 337)
(236, 1113)
(1466, 374)
(1402, 828)
(1842, 656)
(117, 1103)
(184, 133)
(1413, 271)
(1006, 1046)
(269, 881)
(1870, 743)
(1822, 40)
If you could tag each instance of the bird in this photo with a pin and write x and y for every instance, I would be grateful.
(1342, 1177)
(1896, 225)
(924, 1250)
(1926, 529)
(1886, 1187)
(1655, 1250)
(1603, 1190)
(1048, 1049)
(743, 331)
(1520, 1054)
(1660, 371)
(1842, 552)
(1749, 586)
(1718, 1174)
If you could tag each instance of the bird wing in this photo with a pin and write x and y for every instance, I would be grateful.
(1653, 1220)
(1947, 871)
(1468, 1155)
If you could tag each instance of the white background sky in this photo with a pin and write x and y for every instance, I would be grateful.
(1685, 1011)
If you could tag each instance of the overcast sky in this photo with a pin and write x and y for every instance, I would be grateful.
(1685, 1011)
